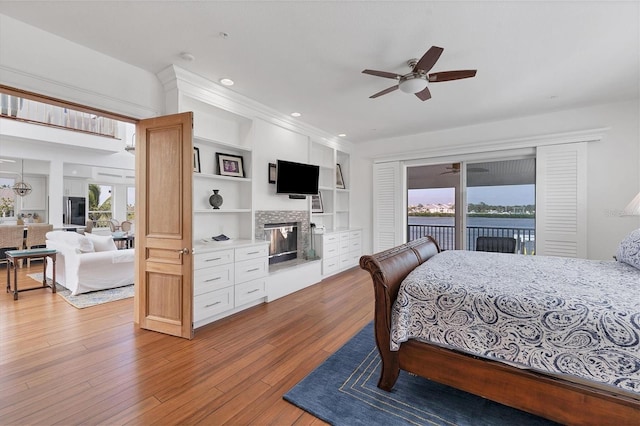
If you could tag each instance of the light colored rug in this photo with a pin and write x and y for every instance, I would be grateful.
(93, 298)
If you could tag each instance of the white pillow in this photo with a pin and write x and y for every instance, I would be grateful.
(629, 249)
(102, 242)
(85, 245)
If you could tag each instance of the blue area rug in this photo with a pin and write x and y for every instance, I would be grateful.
(93, 298)
(343, 391)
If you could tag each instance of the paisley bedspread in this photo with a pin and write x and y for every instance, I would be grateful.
(559, 315)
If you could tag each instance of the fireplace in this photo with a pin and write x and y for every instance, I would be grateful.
(298, 220)
(283, 241)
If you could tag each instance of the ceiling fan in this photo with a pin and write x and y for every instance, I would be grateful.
(455, 169)
(416, 80)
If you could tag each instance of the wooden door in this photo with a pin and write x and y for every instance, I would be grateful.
(164, 167)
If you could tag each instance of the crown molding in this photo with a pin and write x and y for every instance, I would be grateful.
(175, 78)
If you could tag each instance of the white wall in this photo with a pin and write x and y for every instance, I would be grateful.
(613, 163)
(271, 143)
(43, 63)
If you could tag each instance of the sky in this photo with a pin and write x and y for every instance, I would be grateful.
(504, 195)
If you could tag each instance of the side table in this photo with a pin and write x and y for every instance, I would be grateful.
(13, 256)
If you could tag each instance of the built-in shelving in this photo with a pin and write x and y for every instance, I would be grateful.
(217, 131)
(335, 200)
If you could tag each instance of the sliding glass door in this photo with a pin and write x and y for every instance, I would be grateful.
(499, 200)
(432, 197)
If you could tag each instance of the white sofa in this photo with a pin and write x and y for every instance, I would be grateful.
(89, 262)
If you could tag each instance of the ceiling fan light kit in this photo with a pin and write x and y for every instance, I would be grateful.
(412, 83)
(417, 80)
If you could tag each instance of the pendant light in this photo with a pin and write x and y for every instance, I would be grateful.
(22, 188)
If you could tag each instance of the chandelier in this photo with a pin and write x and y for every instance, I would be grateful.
(22, 188)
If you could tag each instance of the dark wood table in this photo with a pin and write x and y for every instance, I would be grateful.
(13, 258)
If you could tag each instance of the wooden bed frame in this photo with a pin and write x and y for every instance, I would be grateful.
(547, 396)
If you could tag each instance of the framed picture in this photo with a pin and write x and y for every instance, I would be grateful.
(230, 165)
(339, 178)
(316, 203)
(272, 173)
(196, 159)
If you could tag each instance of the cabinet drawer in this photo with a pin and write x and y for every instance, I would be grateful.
(355, 246)
(346, 261)
(344, 246)
(332, 238)
(329, 266)
(252, 252)
(209, 304)
(250, 291)
(209, 279)
(330, 250)
(355, 235)
(215, 258)
(251, 269)
(344, 236)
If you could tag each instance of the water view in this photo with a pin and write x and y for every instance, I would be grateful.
(442, 229)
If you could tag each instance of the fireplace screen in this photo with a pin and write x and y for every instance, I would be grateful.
(283, 241)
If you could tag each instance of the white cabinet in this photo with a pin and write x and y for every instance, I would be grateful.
(75, 188)
(339, 250)
(227, 278)
(37, 199)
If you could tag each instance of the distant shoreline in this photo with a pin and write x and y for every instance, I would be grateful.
(490, 215)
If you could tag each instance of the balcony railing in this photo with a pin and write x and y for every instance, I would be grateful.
(445, 235)
(35, 112)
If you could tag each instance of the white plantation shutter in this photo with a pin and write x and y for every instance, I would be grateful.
(387, 206)
(561, 192)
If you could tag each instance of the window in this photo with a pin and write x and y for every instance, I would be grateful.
(7, 197)
(500, 202)
(131, 202)
(100, 209)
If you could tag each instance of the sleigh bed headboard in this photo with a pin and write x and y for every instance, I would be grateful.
(388, 268)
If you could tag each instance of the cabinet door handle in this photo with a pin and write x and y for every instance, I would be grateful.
(253, 291)
(211, 260)
(253, 270)
(212, 304)
(212, 279)
(253, 252)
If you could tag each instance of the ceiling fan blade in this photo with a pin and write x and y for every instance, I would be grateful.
(451, 75)
(382, 74)
(429, 59)
(384, 92)
(424, 94)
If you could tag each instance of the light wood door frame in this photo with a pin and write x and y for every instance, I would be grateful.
(164, 263)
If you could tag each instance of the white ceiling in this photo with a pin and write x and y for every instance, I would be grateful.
(532, 57)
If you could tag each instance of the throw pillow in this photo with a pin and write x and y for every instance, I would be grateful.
(85, 245)
(102, 242)
(629, 249)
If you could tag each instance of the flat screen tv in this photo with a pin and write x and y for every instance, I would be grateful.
(296, 178)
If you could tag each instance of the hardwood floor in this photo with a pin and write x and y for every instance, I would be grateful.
(62, 365)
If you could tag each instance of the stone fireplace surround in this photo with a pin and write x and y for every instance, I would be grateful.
(300, 217)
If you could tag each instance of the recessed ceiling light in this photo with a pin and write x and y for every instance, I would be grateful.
(226, 82)
(295, 114)
(187, 56)
(342, 135)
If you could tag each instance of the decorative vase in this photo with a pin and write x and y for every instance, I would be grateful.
(216, 199)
